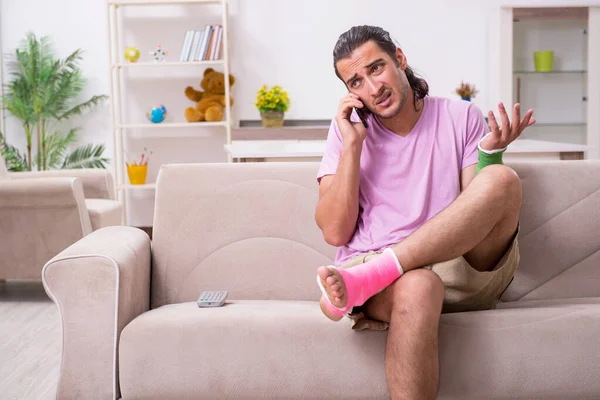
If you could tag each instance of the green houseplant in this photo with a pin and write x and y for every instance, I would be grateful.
(14, 160)
(43, 92)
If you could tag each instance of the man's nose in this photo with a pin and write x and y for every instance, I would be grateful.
(374, 87)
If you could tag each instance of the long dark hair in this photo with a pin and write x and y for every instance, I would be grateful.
(359, 35)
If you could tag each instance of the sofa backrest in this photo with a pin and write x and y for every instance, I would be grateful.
(249, 228)
(560, 231)
(97, 183)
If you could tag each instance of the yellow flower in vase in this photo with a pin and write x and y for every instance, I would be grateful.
(272, 104)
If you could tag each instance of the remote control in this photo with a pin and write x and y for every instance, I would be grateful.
(212, 298)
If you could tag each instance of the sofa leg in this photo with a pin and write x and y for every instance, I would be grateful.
(147, 229)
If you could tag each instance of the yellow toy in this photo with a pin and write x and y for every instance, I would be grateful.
(132, 54)
(210, 104)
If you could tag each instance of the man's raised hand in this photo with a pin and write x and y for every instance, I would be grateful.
(501, 137)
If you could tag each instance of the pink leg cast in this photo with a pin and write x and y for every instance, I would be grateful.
(365, 280)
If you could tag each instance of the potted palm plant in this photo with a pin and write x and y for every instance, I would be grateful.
(14, 160)
(43, 93)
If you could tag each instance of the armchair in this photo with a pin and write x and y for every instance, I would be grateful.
(44, 212)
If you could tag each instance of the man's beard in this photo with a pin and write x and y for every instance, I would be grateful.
(395, 111)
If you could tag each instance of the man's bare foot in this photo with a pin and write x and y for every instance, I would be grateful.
(333, 282)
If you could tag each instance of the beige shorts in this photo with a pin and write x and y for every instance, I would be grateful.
(465, 288)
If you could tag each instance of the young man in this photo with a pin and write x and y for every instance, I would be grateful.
(423, 211)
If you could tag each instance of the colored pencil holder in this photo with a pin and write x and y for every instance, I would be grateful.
(137, 173)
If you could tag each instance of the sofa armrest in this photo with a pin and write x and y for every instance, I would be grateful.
(97, 183)
(99, 284)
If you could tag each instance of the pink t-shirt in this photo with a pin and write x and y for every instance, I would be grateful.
(404, 181)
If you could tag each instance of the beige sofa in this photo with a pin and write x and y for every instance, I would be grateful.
(131, 326)
(42, 213)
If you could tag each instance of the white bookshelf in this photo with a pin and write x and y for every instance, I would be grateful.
(169, 64)
(147, 186)
(169, 125)
(124, 128)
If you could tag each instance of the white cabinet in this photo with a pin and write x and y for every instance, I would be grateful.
(565, 98)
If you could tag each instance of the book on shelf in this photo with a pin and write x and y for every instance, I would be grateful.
(202, 44)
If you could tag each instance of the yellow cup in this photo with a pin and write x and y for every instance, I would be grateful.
(137, 173)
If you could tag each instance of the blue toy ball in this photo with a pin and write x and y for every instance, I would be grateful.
(157, 114)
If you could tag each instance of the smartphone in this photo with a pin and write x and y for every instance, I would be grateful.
(362, 114)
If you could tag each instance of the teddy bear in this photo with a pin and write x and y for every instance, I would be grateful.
(210, 104)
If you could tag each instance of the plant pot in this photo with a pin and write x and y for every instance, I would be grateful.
(543, 61)
(137, 173)
(272, 118)
(466, 98)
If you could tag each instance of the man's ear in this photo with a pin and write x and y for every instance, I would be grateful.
(401, 58)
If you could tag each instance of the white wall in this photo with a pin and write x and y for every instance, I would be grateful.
(444, 40)
(272, 42)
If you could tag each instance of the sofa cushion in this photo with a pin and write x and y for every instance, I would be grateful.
(103, 212)
(248, 350)
(544, 349)
(288, 349)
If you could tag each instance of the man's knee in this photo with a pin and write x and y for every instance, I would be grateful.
(501, 182)
(418, 290)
